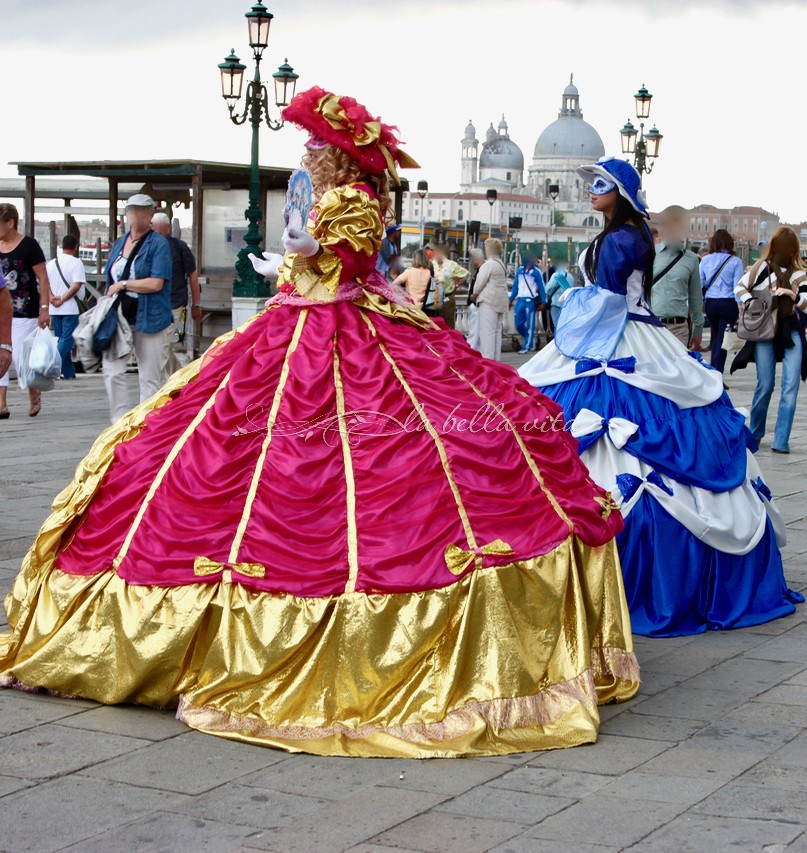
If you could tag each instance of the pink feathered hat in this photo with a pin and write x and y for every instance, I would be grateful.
(344, 123)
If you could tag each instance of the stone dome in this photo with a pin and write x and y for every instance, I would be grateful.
(499, 151)
(470, 130)
(570, 136)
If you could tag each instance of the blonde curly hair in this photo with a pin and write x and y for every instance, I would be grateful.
(331, 167)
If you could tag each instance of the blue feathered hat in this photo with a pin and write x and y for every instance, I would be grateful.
(625, 177)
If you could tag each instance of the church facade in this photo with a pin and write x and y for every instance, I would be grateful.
(565, 225)
(566, 144)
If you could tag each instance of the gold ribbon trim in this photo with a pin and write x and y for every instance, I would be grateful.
(204, 567)
(458, 560)
(334, 113)
(608, 505)
(331, 109)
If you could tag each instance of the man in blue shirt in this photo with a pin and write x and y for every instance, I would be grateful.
(388, 251)
(528, 294)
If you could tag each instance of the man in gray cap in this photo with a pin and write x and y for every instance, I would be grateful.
(139, 270)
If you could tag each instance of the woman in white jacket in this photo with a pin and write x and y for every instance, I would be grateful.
(491, 297)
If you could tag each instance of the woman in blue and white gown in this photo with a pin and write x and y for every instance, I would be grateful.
(700, 548)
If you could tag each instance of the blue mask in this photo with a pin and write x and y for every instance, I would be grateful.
(601, 186)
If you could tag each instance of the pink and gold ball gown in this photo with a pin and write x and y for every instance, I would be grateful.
(311, 539)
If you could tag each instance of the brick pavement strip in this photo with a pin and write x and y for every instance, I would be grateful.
(712, 755)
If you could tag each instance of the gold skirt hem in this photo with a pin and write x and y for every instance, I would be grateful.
(563, 715)
(514, 658)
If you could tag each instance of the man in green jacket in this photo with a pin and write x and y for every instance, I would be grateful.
(676, 297)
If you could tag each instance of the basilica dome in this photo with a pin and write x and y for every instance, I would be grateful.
(499, 151)
(569, 136)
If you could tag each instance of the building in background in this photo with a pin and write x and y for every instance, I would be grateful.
(563, 146)
(464, 218)
(746, 224)
(499, 166)
(523, 214)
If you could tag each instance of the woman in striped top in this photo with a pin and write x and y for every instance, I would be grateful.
(782, 272)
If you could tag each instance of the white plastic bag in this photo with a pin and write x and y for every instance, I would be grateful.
(45, 358)
(39, 350)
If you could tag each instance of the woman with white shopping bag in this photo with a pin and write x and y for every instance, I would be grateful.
(40, 362)
(22, 263)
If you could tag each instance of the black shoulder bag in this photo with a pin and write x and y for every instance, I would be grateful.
(669, 266)
(713, 279)
(82, 305)
(433, 311)
(128, 303)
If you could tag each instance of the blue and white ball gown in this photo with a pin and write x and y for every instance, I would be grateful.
(700, 548)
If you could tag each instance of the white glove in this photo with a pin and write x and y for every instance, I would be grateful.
(269, 264)
(297, 240)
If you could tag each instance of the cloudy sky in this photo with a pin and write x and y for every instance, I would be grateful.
(95, 79)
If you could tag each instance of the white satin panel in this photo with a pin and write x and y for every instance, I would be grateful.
(663, 367)
(733, 521)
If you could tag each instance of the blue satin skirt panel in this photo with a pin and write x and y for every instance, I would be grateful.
(703, 446)
(676, 585)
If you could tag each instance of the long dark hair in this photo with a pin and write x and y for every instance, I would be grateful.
(721, 241)
(624, 214)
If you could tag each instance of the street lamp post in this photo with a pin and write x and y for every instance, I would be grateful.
(423, 192)
(554, 192)
(248, 282)
(491, 196)
(643, 146)
(514, 226)
(398, 191)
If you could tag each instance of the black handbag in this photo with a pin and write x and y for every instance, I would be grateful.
(105, 333)
(127, 301)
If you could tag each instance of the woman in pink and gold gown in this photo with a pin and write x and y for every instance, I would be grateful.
(341, 531)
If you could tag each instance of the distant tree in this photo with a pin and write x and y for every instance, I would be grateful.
(98, 221)
(560, 219)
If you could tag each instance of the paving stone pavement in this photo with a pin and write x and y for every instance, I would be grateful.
(710, 756)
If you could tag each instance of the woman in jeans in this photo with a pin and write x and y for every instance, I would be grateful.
(781, 271)
(491, 297)
(720, 271)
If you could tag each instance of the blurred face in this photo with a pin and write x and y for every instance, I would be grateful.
(139, 218)
(7, 229)
(163, 228)
(785, 248)
(784, 258)
(439, 254)
(674, 230)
